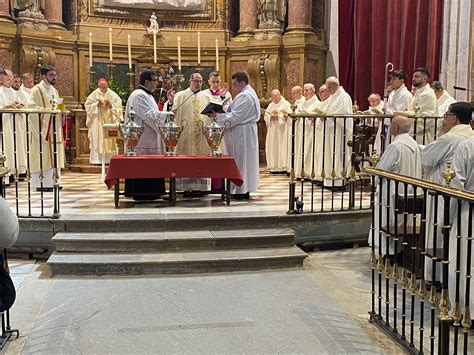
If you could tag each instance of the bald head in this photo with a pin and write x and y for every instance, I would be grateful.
(8, 79)
(276, 96)
(400, 125)
(323, 92)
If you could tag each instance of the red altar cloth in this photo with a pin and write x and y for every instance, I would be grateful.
(182, 166)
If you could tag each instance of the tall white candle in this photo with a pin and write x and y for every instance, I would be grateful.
(154, 47)
(129, 53)
(179, 53)
(199, 47)
(90, 49)
(217, 55)
(110, 45)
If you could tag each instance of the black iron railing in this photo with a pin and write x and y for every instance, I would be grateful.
(327, 174)
(434, 307)
(19, 148)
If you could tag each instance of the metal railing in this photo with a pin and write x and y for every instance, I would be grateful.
(24, 138)
(404, 257)
(328, 153)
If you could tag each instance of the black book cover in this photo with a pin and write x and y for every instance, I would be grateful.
(212, 107)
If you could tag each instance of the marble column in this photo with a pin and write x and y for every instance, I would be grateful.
(299, 15)
(53, 13)
(5, 9)
(248, 18)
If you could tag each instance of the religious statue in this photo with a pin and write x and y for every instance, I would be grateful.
(29, 8)
(153, 28)
(271, 14)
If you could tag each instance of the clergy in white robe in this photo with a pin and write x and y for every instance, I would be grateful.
(435, 158)
(297, 94)
(463, 167)
(337, 154)
(399, 100)
(401, 157)
(14, 131)
(424, 103)
(310, 105)
(21, 99)
(42, 146)
(188, 105)
(376, 107)
(443, 97)
(241, 140)
(103, 106)
(276, 143)
(27, 83)
(324, 95)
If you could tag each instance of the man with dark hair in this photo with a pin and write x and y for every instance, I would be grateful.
(44, 95)
(216, 91)
(141, 102)
(399, 100)
(435, 158)
(241, 141)
(443, 97)
(424, 102)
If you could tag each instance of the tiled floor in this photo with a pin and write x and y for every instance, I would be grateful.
(87, 194)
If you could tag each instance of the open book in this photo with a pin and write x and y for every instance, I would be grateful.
(214, 107)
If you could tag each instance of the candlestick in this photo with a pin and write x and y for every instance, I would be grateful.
(199, 47)
(179, 53)
(90, 49)
(110, 45)
(129, 53)
(154, 47)
(217, 55)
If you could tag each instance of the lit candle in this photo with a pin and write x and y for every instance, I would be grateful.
(199, 47)
(154, 47)
(90, 50)
(179, 53)
(217, 55)
(129, 53)
(110, 45)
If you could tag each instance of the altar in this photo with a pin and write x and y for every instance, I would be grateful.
(172, 167)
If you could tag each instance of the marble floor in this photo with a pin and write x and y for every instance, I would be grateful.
(320, 309)
(87, 194)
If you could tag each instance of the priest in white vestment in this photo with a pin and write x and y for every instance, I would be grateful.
(443, 97)
(14, 131)
(27, 83)
(276, 144)
(103, 106)
(399, 100)
(424, 103)
(435, 158)
(463, 167)
(324, 95)
(218, 93)
(310, 105)
(401, 157)
(42, 96)
(241, 141)
(188, 105)
(337, 154)
(21, 99)
(298, 98)
(376, 107)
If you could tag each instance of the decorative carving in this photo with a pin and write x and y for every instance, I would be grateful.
(29, 8)
(33, 57)
(153, 28)
(271, 14)
(265, 71)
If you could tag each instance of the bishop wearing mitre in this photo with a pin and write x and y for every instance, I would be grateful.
(188, 105)
(103, 106)
(276, 144)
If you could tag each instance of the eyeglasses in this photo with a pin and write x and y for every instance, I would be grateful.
(197, 81)
(447, 114)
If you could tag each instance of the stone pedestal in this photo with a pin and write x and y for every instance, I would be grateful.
(299, 16)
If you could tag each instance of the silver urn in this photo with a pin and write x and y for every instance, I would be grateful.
(170, 132)
(214, 133)
(131, 132)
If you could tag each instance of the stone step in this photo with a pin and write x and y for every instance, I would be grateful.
(175, 262)
(173, 241)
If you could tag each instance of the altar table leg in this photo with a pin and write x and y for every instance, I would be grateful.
(117, 193)
(223, 190)
(227, 191)
(173, 191)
